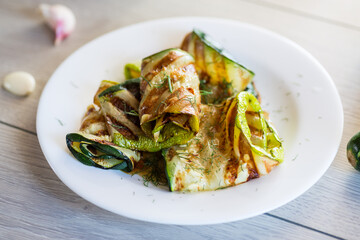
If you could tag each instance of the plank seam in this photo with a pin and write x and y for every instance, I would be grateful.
(304, 226)
(18, 128)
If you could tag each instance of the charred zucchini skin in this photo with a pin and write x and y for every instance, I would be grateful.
(353, 151)
(207, 41)
(124, 163)
(120, 86)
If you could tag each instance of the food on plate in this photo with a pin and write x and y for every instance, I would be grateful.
(190, 118)
(19, 83)
(60, 19)
(353, 151)
(216, 67)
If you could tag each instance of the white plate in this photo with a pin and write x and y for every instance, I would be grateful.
(297, 91)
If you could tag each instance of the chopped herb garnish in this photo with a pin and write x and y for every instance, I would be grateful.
(169, 83)
(166, 80)
(132, 113)
(204, 92)
(191, 100)
(60, 122)
(153, 170)
(117, 126)
(147, 81)
(73, 84)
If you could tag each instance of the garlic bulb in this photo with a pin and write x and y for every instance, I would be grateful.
(19, 83)
(59, 18)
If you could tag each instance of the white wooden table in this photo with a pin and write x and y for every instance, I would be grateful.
(35, 204)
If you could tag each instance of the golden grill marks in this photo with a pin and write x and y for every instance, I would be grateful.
(170, 93)
(152, 68)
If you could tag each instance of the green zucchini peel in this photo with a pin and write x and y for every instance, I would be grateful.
(269, 145)
(132, 70)
(98, 152)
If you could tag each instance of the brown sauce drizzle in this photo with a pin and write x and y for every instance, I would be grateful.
(103, 132)
(121, 105)
(118, 126)
(186, 41)
(151, 104)
(231, 126)
(163, 63)
(244, 148)
(231, 170)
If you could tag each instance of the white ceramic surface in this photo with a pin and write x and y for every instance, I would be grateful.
(296, 90)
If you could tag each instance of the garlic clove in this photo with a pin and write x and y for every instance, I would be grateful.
(19, 83)
(60, 19)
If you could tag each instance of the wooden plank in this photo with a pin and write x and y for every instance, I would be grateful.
(331, 205)
(341, 12)
(28, 45)
(34, 204)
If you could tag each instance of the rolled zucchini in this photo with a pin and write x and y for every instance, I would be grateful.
(97, 151)
(92, 145)
(119, 106)
(170, 100)
(235, 144)
(223, 75)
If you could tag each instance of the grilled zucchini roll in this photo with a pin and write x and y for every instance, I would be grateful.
(119, 106)
(93, 146)
(169, 106)
(235, 144)
(223, 75)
